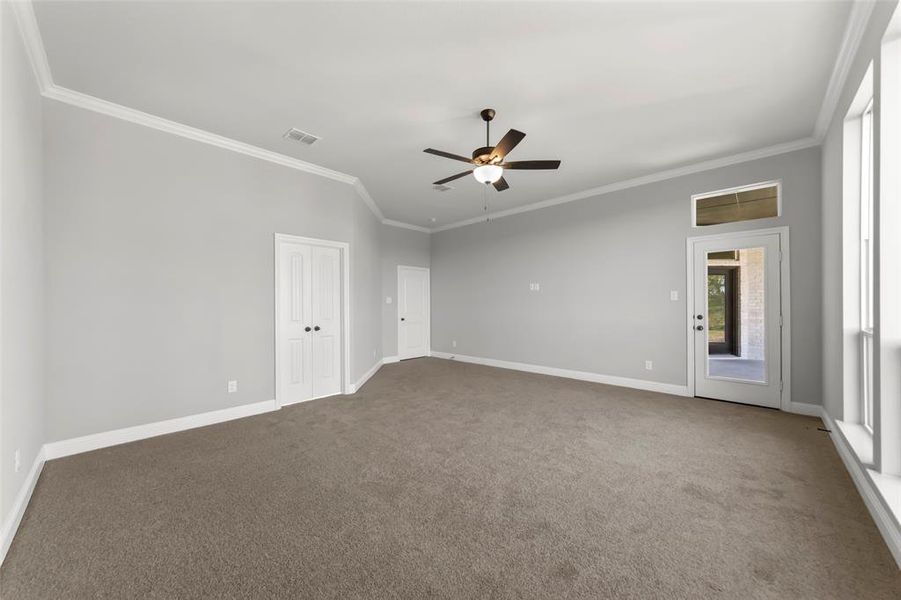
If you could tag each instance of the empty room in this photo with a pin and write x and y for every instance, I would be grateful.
(450, 299)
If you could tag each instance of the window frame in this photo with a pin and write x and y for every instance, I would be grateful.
(867, 273)
(777, 183)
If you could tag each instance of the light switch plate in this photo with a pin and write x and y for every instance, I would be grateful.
(232, 386)
(388, 300)
(674, 295)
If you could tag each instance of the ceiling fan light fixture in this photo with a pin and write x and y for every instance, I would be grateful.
(488, 174)
(488, 163)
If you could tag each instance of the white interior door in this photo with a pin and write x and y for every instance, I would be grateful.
(326, 291)
(737, 319)
(412, 312)
(308, 322)
(294, 323)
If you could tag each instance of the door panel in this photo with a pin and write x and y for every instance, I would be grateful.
(327, 317)
(737, 319)
(295, 314)
(413, 312)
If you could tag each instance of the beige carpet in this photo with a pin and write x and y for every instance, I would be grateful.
(446, 480)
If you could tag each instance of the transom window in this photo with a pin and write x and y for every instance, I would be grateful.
(745, 203)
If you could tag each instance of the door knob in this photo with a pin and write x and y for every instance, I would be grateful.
(402, 319)
(306, 329)
(700, 328)
(316, 328)
(700, 317)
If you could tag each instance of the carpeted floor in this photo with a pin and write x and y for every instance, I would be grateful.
(446, 480)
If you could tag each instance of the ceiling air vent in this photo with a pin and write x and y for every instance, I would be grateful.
(441, 187)
(301, 136)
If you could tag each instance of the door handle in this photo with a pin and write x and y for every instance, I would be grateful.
(316, 328)
(306, 329)
(700, 328)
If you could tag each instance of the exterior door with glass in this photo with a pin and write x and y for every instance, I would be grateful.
(736, 322)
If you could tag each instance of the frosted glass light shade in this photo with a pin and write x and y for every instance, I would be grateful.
(488, 173)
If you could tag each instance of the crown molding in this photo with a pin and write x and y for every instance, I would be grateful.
(393, 223)
(34, 45)
(854, 30)
(363, 193)
(124, 113)
(28, 26)
(643, 180)
(131, 115)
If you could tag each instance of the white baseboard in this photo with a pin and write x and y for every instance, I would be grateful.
(870, 485)
(11, 524)
(640, 384)
(372, 371)
(139, 432)
(390, 359)
(801, 408)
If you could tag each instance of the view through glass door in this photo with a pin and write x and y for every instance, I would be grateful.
(736, 321)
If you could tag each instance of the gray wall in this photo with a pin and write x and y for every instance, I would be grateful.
(21, 272)
(160, 271)
(832, 323)
(398, 247)
(367, 286)
(606, 266)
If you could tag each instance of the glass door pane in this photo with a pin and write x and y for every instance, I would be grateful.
(736, 315)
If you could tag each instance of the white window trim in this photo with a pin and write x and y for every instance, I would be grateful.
(735, 190)
(866, 283)
(867, 208)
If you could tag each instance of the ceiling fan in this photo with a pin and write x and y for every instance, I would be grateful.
(489, 160)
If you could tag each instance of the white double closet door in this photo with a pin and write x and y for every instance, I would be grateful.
(308, 322)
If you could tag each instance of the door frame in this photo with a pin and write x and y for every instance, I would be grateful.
(784, 302)
(428, 325)
(344, 249)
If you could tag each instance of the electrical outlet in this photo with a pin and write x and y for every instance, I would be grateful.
(17, 461)
(649, 365)
(674, 295)
(454, 343)
(232, 386)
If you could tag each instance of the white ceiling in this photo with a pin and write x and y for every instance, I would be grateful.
(614, 90)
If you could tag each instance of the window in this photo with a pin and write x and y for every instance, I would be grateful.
(867, 280)
(746, 203)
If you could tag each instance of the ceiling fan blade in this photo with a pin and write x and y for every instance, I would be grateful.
(507, 143)
(501, 184)
(452, 177)
(448, 155)
(531, 164)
